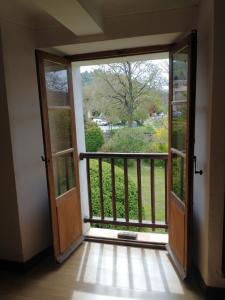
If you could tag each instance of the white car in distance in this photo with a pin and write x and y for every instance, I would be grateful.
(100, 122)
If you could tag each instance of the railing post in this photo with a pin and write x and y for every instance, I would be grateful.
(166, 196)
(101, 188)
(113, 189)
(152, 176)
(89, 188)
(139, 190)
(126, 205)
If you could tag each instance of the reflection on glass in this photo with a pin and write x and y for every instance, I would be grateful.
(180, 75)
(179, 117)
(63, 173)
(56, 84)
(178, 176)
(60, 129)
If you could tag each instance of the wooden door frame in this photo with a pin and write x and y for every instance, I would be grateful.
(40, 57)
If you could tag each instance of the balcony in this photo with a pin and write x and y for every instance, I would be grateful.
(147, 218)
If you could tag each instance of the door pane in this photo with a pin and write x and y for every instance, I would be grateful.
(56, 84)
(63, 173)
(179, 122)
(180, 75)
(178, 176)
(60, 129)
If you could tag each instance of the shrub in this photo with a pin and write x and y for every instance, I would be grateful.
(94, 138)
(107, 191)
(126, 140)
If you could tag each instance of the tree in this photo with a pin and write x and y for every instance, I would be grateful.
(127, 85)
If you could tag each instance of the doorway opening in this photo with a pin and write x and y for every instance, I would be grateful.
(114, 170)
(125, 107)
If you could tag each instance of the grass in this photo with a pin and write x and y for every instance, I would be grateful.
(146, 194)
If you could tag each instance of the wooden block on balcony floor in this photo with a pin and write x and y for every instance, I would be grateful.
(127, 235)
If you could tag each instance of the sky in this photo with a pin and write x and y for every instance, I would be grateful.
(162, 63)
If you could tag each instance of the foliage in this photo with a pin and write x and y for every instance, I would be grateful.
(126, 140)
(124, 91)
(93, 137)
(107, 190)
(87, 78)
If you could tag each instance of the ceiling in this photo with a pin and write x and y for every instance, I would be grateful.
(36, 15)
(81, 26)
(125, 7)
(27, 13)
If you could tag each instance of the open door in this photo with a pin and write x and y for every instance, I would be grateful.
(181, 150)
(61, 158)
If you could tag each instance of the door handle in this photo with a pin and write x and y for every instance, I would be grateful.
(44, 159)
(200, 172)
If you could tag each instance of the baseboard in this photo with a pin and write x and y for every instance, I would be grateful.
(209, 292)
(25, 266)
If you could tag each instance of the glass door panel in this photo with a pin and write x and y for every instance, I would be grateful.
(179, 111)
(60, 129)
(60, 126)
(178, 176)
(180, 74)
(56, 79)
(64, 178)
(179, 124)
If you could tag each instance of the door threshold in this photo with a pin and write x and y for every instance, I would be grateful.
(143, 240)
(124, 242)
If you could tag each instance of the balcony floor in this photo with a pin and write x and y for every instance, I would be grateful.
(147, 237)
(100, 272)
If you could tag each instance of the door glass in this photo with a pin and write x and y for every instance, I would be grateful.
(56, 84)
(179, 120)
(179, 117)
(60, 129)
(60, 126)
(178, 176)
(63, 173)
(180, 75)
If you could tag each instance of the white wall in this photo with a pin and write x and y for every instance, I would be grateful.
(210, 142)
(202, 125)
(26, 138)
(10, 238)
(217, 149)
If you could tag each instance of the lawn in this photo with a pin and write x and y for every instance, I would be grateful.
(146, 195)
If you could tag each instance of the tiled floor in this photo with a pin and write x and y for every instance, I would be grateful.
(99, 271)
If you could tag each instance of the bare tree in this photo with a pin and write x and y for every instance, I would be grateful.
(127, 84)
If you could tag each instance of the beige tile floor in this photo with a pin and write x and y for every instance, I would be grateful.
(99, 271)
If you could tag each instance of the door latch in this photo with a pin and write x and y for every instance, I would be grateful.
(200, 172)
(44, 159)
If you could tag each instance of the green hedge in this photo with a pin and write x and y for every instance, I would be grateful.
(107, 190)
(94, 138)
